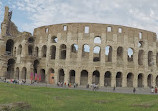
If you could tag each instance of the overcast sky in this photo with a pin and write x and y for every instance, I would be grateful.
(29, 14)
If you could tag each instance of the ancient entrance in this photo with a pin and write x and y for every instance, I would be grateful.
(84, 78)
(130, 80)
(140, 80)
(9, 47)
(24, 73)
(42, 72)
(61, 75)
(17, 73)
(72, 76)
(119, 79)
(149, 80)
(107, 79)
(96, 77)
(51, 77)
(10, 69)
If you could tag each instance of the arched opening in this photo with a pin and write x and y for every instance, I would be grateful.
(85, 51)
(54, 39)
(9, 47)
(96, 77)
(53, 52)
(17, 73)
(72, 76)
(96, 54)
(130, 55)
(35, 65)
(130, 80)
(44, 51)
(36, 51)
(107, 79)
(42, 72)
(140, 44)
(119, 79)
(84, 77)
(157, 81)
(30, 50)
(140, 80)
(63, 51)
(157, 59)
(51, 77)
(97, 40)
(30, 40)
(108, 54)
(150, 58)
(119, 53)
(19, 49)
(24, 73)
(149, 80)
(10, 69)
(140, 57)
(74, 51)
(61, 75)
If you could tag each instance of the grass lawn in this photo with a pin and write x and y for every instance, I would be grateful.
(52, 99)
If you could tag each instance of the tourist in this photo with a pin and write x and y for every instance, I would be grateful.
(155, 90)
(114, 88)
(65, 84)
(74, 85)
(152, 90)
(134, 90)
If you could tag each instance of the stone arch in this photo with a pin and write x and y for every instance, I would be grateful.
(130, 54)
(140, 57)
(36, 51)
(17, 73)
(9, 47)
(150, 58)
(149, 80)
(140, 80)
(31, 40)
(107, 79)
(72, 76)
(54, 39)
(108, 54)
(24, 73)
(84, 77)
(119, 79)
(96, 54)
(63, 51)
(74, 51)
(10, 69)
(30, 50)
(96, 77)
(44, 51)
(51, 76)
(120, 53)
(35, 65)
(43, 75)
(19, 49)
(85, 51)
(130, 77)
(156, 81)
(61, 75)
(97, 40)
(53, 52)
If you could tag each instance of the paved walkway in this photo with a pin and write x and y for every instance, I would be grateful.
(101, 89)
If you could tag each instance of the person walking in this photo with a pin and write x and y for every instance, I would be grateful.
(152, 90)
(155, 90)
(134, 90)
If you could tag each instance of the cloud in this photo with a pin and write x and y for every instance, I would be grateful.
(134, 13)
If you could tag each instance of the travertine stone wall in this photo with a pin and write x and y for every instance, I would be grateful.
(42, 53)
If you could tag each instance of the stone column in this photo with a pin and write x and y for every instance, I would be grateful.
(90, 75)
(56, 77)
(66, 76)
(124, 79)
(102, 77)
(113, 79)
(78, 76)
(135, 80)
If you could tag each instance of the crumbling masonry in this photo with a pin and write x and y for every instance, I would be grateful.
(84, 53)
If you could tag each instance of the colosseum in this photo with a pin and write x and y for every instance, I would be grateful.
(83, 53)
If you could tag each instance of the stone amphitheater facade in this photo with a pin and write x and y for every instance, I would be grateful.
(83, 53)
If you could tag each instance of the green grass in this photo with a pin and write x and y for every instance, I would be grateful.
(52, 99)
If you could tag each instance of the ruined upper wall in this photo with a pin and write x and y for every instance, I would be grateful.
(96, 29)
(8, 28)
